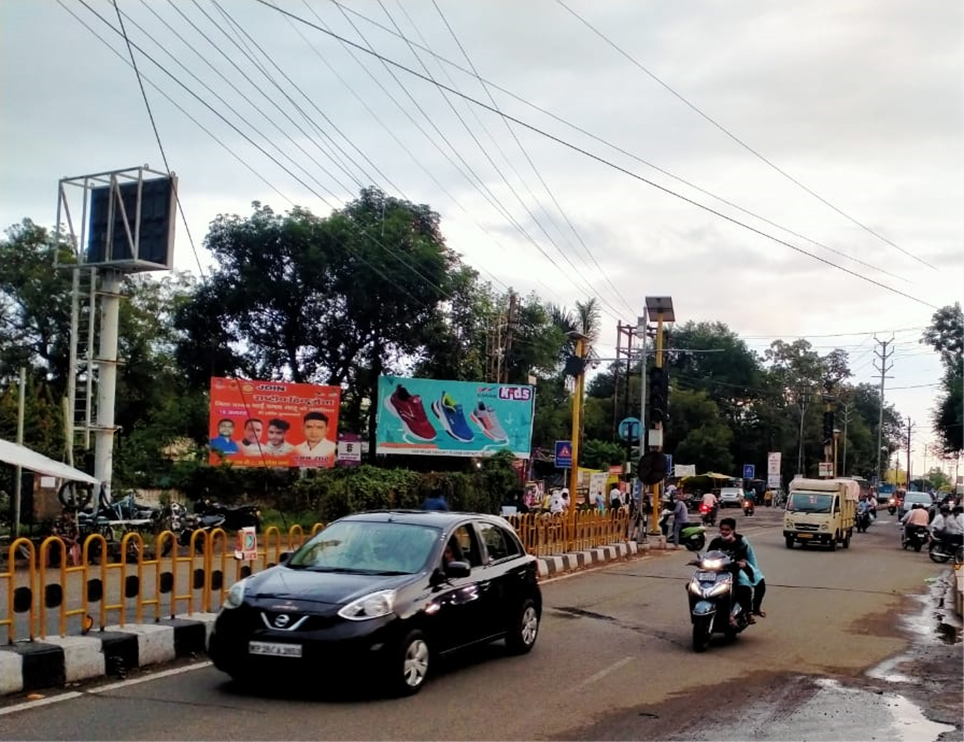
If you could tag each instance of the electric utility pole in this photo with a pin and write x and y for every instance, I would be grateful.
(910, 428)
(847, 409)
(803, 399)
(883, 354)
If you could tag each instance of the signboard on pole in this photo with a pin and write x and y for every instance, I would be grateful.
(563, 454)
(685, 470)
(826, 469)
(773, 469)
(247, 544)
(432, 417)
(349, 449)
(749, 471)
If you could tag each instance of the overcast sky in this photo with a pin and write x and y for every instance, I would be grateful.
(727, 135)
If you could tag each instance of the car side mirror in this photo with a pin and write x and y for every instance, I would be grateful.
(284, 558)
(458, 569)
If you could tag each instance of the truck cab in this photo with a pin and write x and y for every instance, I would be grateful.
(821, 511)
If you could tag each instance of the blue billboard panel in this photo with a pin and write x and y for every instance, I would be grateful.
(428, 417)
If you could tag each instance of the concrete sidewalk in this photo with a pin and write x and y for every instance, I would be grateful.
(58, 660)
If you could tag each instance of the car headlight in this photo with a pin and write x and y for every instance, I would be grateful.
(374, 605)
(235, 596)
(824, 527)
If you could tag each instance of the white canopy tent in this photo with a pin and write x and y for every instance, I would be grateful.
(14, 453)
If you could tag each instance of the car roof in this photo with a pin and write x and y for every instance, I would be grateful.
(435, 518)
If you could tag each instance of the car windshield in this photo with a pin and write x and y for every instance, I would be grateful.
(367, 547)
(911, 497)
(809, 502)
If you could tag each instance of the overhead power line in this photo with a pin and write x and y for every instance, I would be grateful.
(598, 158)
(575, 127)
(739, 141)
(157, 135)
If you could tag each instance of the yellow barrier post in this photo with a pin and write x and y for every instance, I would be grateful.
(11, 576)
(296, 537)
(159, 542)
(216, 535)
(268, 533)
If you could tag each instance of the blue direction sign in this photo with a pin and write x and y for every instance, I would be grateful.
(629, 429)
(563, 454)
(749, 471)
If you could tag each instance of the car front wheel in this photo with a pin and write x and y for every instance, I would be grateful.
(522, 635)
(411, 664)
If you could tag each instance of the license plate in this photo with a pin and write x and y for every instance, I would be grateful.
(706, 576)
(804, 535)
(274, 649)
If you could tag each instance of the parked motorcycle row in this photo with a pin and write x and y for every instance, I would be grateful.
(115, 518)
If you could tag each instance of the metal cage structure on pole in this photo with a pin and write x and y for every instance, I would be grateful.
(117, 222)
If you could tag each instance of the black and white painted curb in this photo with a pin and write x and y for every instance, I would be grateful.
(560, 563)
(55, 661)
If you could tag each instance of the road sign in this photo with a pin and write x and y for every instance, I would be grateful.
(247, 550)
(563, 454)
(773, 481)
(629, 429)
(774, 462)
(749, 471)
(669, 463)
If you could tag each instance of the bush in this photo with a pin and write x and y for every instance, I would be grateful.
(333, 493)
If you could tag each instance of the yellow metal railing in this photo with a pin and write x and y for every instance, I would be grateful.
(87, 579)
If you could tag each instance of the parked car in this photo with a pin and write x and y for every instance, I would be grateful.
(387, 591)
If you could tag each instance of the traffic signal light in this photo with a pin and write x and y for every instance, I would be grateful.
(658, 394)
(827, 427)
(575, 365)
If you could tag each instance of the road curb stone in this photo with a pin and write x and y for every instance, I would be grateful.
(55, 661)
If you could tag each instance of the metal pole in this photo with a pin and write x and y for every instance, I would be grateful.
(107, 379)
(576, 426)
(17, 485)
(654, 529)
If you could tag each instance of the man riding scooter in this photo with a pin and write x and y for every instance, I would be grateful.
(708, 508)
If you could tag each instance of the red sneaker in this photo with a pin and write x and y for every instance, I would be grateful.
(410, 413)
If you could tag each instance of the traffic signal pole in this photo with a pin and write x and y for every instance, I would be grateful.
(576, 426)
(657, 424)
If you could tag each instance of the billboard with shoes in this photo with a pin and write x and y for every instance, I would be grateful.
(273, 423)
(453, 418)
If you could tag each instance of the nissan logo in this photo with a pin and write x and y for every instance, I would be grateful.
(282, 620)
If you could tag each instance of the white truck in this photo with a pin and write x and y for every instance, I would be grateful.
(821, 511)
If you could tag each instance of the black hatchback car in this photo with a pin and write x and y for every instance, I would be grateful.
(389, 591)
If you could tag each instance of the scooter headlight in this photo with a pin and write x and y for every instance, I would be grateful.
(718, 589)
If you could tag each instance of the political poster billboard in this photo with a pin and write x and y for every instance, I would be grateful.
(429, 417)
(273, 423)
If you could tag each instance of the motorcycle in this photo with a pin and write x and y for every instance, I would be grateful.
(942, 550)
(708, 514)
(236, 517)
(712, 599)
(892, 505)
(177, 520)
(863, 521)
(692, 535)
(916, 539)
(747, 507)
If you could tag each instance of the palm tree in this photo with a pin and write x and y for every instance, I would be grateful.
(584, 321)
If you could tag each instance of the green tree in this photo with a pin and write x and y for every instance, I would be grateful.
(946, 335)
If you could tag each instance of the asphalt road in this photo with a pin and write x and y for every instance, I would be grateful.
(613, 661)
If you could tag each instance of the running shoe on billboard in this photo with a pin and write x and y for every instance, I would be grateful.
(410, 413)
(449, 412)
(484, 416)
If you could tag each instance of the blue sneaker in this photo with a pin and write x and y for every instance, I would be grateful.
(450, 414)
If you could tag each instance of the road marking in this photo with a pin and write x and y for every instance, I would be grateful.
(27, 705)
(150, 677)
(604, 672)
(70, 695)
